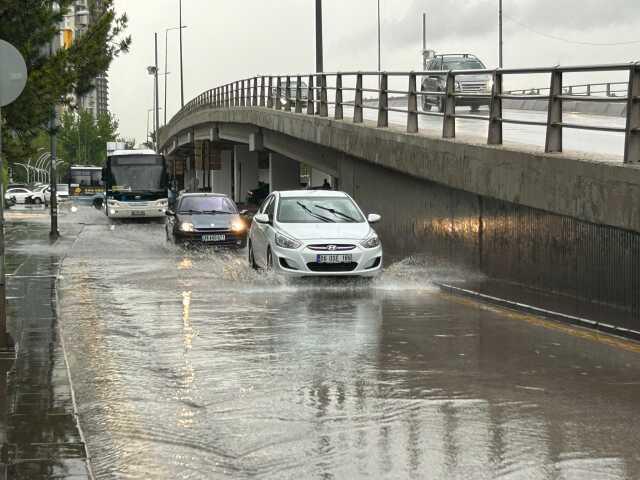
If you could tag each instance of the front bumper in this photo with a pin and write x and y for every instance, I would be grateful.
(365, 262)
(197, 239)
(136, 211)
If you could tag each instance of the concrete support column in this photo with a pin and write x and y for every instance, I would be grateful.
(222, 180)
(245, 172)
(284, 173)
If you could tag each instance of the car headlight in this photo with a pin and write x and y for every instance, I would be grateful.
(186, 227)
(286, 242)
(371, 242)
(113, 203)
(163, 202)
(238, 226)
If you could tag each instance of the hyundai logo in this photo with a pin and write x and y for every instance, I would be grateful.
(331, 247)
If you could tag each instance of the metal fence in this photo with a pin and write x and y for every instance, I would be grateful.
(335, 94)
(608, 89)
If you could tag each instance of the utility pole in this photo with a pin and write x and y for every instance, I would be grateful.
(500, 33)
(319, 52)
(424, 41)
(181, 69)
(156, 96)
(53, 149)
(166, 73)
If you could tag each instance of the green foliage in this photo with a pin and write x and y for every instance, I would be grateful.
(31, 26)
(83, 140)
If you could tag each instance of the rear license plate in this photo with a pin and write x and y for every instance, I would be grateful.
(345, 258)
(137, 213)
(213, 238)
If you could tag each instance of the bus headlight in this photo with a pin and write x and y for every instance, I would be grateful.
(186, 227)
(163, 203)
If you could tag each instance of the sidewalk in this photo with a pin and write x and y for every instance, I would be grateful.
(41, 437)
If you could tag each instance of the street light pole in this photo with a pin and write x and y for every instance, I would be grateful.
(181, 67)
(379, 57)
(157, 99)
(319, 48)
(500, 33)
(166, 65)
(53, 234)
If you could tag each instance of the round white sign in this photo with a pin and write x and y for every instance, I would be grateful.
(13, 73)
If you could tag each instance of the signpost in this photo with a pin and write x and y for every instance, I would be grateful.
(13, 78)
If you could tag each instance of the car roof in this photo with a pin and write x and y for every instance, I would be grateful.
(310, 193)
(203, 194)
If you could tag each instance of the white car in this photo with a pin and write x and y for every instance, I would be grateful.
(18, 195)
(314, 233)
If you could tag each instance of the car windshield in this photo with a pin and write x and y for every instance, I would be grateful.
(463, 64)
(318, 210)
(207, 205)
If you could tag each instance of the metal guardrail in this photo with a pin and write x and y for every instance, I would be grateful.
(285, 93)
(608, 89)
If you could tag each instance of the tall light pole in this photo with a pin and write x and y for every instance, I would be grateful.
(166, 72)
(500, 33)
(53, 210)
(181, 67)
(157, 97)
(379, 57)
(319, 49)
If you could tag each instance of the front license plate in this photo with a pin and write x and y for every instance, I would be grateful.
(346, 258)
(137, 213)
(213, 238)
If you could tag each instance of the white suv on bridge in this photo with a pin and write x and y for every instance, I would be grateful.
(314, 233)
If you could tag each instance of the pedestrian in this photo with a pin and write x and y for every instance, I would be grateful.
(326, 185)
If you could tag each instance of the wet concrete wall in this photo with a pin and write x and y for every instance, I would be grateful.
(500, 239)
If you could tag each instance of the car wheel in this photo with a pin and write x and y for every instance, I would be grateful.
(251, 257)
(243, 243)
(37, 201)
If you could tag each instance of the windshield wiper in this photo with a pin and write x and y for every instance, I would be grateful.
(190, 212)
(315, 215)
(336, 212)
(216, 212)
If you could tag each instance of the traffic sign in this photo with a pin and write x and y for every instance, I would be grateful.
(13, 73)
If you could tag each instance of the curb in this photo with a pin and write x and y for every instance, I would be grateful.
(523, 307)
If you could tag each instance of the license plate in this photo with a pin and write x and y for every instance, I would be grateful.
(345, 258)
(137, 213)
(213, 238)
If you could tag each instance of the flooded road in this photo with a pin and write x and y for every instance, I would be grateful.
(192, 366)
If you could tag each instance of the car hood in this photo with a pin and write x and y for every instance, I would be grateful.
(326, 231)
(206, 221)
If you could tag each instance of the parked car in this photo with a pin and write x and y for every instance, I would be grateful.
(18, 195)
(206, 219)
(62, 191)
(437, 82)
(314, 232)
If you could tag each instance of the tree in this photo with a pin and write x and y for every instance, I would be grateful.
(83, 140)
(31, 26)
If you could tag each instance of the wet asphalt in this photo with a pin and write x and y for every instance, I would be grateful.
(188, 365)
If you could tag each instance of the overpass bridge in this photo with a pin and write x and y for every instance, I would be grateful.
(538, 215)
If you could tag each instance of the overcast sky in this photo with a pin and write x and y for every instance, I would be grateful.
(231, 39)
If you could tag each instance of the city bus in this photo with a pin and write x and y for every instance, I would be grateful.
(136, 184)
(85, 180)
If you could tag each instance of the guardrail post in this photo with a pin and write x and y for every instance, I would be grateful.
(412, 117)
(383, 101)
(338, 110)
(242, 94)
(554, 115)
(225, 96)
(449, 119)
(255, 91)
(588, 90)
(270, 93)
(495, 111)
(324, 110)
(357, 109)
(287, 94)
(262, 84)
(278, 93)
(632, 134)
(298, 94)
(310, 97)
(608, 86)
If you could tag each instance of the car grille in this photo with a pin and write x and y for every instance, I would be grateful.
(473, 87)
(331, 247)
(213, 230)
(332, 267)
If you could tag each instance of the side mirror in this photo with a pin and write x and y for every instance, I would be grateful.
(170, 213)
(262, 218)
(373, 218)
(244, 212)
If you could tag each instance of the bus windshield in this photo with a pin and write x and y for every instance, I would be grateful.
(137, 173)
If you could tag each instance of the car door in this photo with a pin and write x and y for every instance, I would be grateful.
(259, 233)
(19, 194)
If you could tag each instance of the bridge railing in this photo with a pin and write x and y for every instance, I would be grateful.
(344, 94)
(608, 89)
